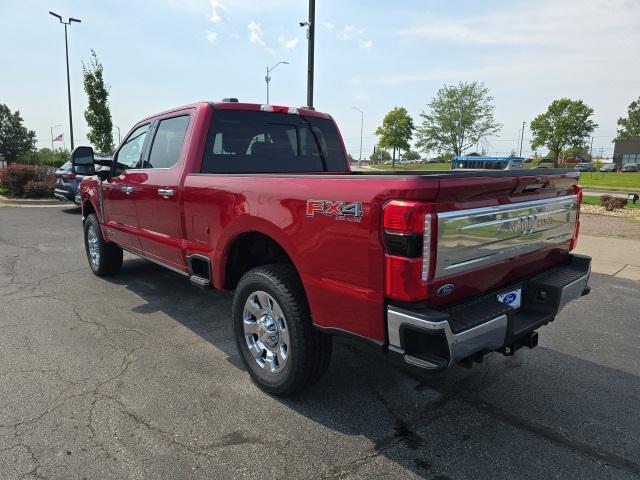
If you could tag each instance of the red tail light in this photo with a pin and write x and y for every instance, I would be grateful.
(69, 175)
(574, 240)
(408, 234)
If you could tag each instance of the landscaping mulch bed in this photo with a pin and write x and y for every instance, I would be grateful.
(622, 212)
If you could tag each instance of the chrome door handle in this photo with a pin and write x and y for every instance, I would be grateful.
(166, 192)
(128, 189)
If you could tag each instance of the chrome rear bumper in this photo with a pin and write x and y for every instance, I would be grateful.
(434, 339)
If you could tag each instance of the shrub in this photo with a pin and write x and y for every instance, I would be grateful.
(16, 177)
(38, 189)
(611, 203)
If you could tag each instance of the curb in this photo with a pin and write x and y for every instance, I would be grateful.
(28, 202)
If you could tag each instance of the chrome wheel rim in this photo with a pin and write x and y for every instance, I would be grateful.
(266, 332)
(94, 246)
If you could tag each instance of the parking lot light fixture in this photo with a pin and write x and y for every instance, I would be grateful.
(361, 126)
(267, 78)
(66, 49)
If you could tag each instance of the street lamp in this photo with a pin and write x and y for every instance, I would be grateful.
(55, 126)
(522, 138)
(66, 49)
(361, 125)
(267, 78)
(119, 137)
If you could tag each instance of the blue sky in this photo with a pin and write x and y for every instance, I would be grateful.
(371, 54)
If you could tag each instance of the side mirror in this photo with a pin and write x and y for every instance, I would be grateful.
(82, 161)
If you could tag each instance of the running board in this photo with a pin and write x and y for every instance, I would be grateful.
(200, 282)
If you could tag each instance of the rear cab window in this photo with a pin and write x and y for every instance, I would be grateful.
(242, 141)
(167, 142)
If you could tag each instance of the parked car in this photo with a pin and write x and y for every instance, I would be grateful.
(585, 167)
(630, 167)
(67, 182)
(438, 268)
(609, 167)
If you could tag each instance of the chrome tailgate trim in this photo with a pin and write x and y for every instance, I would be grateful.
(477, 237)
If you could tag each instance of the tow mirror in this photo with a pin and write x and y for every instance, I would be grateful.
(82, 161)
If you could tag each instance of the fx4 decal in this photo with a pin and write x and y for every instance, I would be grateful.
(351, 212)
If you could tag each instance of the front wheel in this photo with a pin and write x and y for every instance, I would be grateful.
(104, 258)
(273, 331)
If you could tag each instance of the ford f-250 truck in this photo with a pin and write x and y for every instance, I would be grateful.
(438, 267)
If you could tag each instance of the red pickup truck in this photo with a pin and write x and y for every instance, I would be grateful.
(438, 267)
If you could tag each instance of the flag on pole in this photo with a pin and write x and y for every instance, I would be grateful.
(58, 138)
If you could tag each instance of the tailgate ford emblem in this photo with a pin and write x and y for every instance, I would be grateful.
(445, 289)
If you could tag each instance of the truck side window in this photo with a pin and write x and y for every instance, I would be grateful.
(130, 154)
(266, 142)
(167, 142)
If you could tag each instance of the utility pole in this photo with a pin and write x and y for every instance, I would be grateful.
(311, 33)
(66, 50)
(591, 150)
(361, 126)
(521, 138)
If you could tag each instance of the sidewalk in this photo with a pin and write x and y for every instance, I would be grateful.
(613, 193)
(612, 256)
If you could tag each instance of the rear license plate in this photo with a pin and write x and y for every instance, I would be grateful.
(513, 298)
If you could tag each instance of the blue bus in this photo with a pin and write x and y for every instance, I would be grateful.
(477, 162)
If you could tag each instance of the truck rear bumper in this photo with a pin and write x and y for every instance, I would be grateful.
(436, 339)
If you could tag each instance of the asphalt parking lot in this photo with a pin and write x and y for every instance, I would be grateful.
(137, 377)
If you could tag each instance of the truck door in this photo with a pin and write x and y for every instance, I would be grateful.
(158, 203)
(122, 191)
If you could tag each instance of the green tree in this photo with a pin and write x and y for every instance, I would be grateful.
(97, 114)
(629, 127)
(380, 155)
(458, 117)
(581, 151)
(396, 131)
(46, 156)
(565, 123)
(411, 155)
(15, 139)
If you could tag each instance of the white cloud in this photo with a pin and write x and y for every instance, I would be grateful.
(217, 11)
(288, 44)
(328, 25)
(255, 33)
(365, 44)
(576, 23)
(349, 32)
(210, 36)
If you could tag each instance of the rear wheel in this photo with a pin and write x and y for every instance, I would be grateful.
(272, 326)
(104, 258)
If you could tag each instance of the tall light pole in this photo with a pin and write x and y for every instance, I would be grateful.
(119, 137)
(361, 126)
(311, 33)
(54, 126)
(66, 49)
(521, 138)
(267, 78)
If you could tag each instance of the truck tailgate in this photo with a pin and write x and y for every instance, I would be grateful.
(490, 234)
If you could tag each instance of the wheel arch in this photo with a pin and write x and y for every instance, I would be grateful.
(248, 250)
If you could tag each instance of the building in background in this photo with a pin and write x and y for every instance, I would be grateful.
(626, 152)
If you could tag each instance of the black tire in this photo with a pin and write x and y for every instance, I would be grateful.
(309, 350)
(109, 259)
